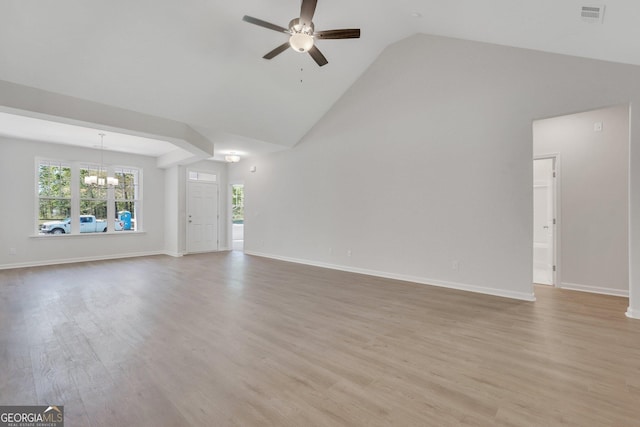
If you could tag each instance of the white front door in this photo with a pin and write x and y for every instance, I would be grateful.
(543, 221)
(202, 216)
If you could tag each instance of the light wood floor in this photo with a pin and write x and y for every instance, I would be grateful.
(233, 340)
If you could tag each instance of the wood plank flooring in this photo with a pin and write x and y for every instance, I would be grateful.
(228, 339)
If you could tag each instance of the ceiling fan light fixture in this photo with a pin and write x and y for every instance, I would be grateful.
(302, 33)
(301, 42)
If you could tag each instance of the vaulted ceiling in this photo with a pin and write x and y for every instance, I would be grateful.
(197, 62)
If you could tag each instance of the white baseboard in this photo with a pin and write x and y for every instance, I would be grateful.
(173, 254)
(206, 252)
(406, 278)
(633, 314)
(594, 289)
(80, 259)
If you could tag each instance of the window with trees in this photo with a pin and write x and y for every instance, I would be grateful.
(54, 191)
(237, 203)
(70, 204)
(93, 198)
(127, 196)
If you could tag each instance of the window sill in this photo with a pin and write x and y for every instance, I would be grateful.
(86, 235)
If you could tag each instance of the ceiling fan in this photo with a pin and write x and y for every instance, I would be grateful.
(302, 33)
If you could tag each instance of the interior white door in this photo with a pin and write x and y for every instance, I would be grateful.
(543, 221)
(202, 216)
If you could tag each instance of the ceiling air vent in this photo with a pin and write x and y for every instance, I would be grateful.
(593, 13)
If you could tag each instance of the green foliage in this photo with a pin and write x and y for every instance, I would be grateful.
(93, 207)
(54, 209)
(54, 180)
(54, 189)
(237, 202)
(127, 184)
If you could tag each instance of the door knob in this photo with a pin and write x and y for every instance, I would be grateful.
(546, 227)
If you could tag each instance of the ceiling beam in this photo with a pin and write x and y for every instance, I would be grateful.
(37, 103)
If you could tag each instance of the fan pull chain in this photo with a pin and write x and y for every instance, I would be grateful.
(301, 70)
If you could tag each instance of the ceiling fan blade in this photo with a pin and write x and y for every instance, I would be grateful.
(307, 11)
(318, 56)
(277, 51)
(265, 24)
(352, 33)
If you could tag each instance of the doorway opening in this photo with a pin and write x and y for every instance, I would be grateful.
(589, 199)
(237, 217)
(544, 220)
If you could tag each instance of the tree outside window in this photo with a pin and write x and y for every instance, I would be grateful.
(127, 195)
(93, 199)
(237, 200)
(54, 191)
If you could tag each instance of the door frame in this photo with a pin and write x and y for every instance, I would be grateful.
(186, 217)
(555, 187)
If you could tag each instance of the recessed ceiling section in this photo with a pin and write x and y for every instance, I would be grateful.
(22, 127)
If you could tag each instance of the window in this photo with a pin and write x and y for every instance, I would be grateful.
(237, 203)
(127, 197)
(202, 176)
(93, 199)
(54, 191)
(68, 205)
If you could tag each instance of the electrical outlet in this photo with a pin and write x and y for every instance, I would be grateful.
(455, 265)
(348, 252)
(330, 251)
(13, 251)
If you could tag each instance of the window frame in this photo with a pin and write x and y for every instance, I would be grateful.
(75, 199)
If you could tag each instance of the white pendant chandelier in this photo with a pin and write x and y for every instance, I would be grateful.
(101, 179)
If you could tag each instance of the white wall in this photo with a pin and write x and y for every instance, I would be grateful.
(427, 160)
(593, 178)
(17, 174)
(172, 211)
